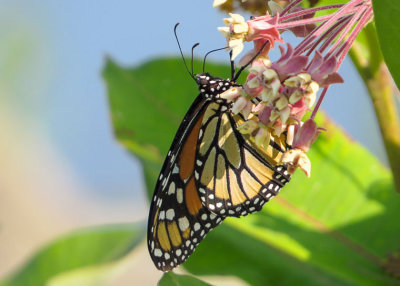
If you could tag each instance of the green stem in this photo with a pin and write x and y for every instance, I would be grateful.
(379, 84)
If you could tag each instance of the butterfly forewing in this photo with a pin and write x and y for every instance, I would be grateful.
(178, 221)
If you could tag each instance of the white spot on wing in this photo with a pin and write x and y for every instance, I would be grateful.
(170, 214)
(157, 252)
(183, 223)
(179, 195)
(171, 189)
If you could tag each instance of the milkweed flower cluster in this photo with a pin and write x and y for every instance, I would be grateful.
(277, 95)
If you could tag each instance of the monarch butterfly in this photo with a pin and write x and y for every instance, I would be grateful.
(211, 171)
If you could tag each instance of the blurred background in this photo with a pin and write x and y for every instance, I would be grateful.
(60, 167)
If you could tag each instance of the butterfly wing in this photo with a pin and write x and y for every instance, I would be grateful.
(178, 221)
(236, 177)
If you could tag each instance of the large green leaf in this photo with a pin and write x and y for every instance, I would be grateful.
(78, 258)
(387, 18)
(172, 279)
(332, 229)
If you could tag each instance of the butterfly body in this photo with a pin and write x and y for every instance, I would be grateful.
(211, 171)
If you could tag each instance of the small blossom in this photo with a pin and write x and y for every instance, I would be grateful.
(242, 105)
(239, 104)
(231, 93)
(306, 135)
(296, 158)
(281, 103)
(290, 134)
(235, 32)
(323, 71)
(305, 88)
(284, 114)
(289, 63)
(298, 80)
(262, 137)
(264, 27)
(236, 46)
(266, 81)
(299, 109)
(311, 93)
(248, 126)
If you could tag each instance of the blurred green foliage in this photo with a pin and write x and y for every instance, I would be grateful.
(85, 250)
(172, 279)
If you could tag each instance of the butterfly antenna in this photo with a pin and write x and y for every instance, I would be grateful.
(180, 49)
(212, 51)
(194, 46)
(246, 65)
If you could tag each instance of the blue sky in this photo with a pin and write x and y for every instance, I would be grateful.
(62, 92)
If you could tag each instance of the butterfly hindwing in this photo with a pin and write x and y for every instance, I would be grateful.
(236, 177)
(178, 221)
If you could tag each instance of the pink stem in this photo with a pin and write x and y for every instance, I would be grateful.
(290, 6)
(357, 29)
(302, 22)
(348, 27)
(333, 35)
(330, 34)
(320, 29)
(309, 11)
(320, 99)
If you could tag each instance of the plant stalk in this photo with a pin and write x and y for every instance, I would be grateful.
(379, 85)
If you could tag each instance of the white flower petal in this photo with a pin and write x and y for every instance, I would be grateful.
(282, 102)
(240, 28)
(231, 93)
(253, 83)
(270, 74)
(290, 134)
(284, 114)
(295, 97)
(237, 18)
(217, 3)
(225, 31)
(237, 49)
(257, 70)
(248, 127)
(239, 104)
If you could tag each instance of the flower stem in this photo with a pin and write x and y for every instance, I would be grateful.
(381, 94)
(309, 11)
(378, 82)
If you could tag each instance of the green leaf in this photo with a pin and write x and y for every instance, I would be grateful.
(172, 279)
(387, 18)
(332, 229)
(87, 255)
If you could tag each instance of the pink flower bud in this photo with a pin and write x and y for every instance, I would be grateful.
(306, 135)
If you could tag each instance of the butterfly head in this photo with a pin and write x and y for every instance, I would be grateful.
(212, 86)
